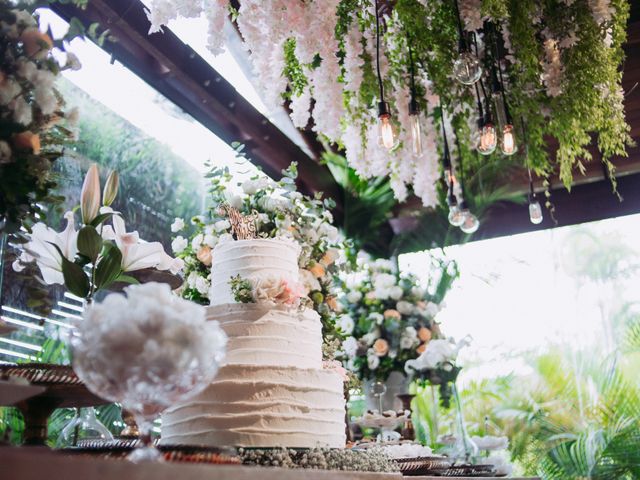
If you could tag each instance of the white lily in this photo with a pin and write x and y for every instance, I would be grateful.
(41, 249)
(136, 253)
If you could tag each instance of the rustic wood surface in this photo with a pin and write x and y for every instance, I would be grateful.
(36, 463)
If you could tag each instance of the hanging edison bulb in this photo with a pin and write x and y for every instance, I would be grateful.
(470, 224)
(456, 216)
(467, 68)
(508, 144)
(386, 134)
(415, 127)
(535, 211)
(488, 140)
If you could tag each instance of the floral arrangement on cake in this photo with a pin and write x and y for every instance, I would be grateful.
(96, 256)
(279, 211)
(389, 318)
(33, 122)
(437, 365)
(268, 290)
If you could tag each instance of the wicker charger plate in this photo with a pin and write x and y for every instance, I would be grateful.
(469, 471)
(120, 448)
(422, 465)
(41, 373)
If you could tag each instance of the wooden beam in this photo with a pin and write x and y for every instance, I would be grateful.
(175, 70)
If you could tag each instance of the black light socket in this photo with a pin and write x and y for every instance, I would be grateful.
(414, 108)
(383, 109)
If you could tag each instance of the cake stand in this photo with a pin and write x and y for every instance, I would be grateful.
(58, 387)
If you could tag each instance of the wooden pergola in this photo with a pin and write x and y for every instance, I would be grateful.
(175, 70)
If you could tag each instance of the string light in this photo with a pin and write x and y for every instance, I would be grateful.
(466, 68)
(386, 133)
(414, 110)
(508, 141)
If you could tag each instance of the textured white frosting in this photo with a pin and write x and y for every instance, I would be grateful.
(251, 258)
(271, 390)
(262, 406)
(281, 337)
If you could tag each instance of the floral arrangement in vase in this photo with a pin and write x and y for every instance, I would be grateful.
(97, 255)
(389, 318)
(34, 124)
(437, 365)
(280, 211)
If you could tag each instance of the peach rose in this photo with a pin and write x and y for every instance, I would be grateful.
(424, 334)
(204, 255)
(36, 43)
(380, 347)
(27, 141)
(329, 257)
(318, 270)
(391, 313)
(332, 303)
(421, 348)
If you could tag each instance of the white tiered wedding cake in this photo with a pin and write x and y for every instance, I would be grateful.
(271, 390)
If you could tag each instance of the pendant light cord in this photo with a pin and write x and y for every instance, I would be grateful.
(378, 52)
(462, 43)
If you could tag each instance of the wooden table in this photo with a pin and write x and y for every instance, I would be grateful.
(37, 463)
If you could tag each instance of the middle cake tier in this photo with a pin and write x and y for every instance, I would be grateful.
(279, 337)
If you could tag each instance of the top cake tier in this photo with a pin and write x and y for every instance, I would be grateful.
(255, 258)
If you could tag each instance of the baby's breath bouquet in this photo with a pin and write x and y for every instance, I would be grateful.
(389, 318)
(281, 212)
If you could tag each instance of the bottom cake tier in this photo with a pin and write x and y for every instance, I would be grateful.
(262, 406)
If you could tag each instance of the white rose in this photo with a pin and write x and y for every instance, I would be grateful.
(330, 232)
(46, 100)
(384, 280)
(432, 309)
(405, 308)
(177, 225)
(233, 200)
(196, 243)
(371, 337)
(179, 244)
(209, 230)
(409, 338)
(210, 240)
(222, 225)
(381, 293)
(376, 317)
(192, 279)
(354, 296)
(350, 346)
(27, 69)
(250, 187)
(346, 324)
(372, 360)
(202, 286)
(418, 292)
(22, 112)
(383, 264)
(9, 89)
(396, 292)
(263, 218)
(309, 280)
(225, 237)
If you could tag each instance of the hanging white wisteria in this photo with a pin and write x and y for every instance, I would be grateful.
(495, 67)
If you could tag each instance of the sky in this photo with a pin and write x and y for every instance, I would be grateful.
(128, 96)
(516, 294)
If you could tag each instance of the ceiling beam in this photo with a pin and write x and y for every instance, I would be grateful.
(175, 70)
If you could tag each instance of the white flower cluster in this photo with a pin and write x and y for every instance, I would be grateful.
(602, 11)
(438, 353)
(407, 450)
(470, 14)
(149, 338)
(266, 25)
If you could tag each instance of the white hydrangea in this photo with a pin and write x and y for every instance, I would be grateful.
(197, 241)
(373, 361)
(396, 292)
(404, 307)
(409, 338)
(149, 336)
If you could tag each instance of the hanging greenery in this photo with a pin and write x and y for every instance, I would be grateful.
(499, 69)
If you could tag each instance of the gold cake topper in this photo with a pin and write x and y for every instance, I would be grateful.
(242, 226)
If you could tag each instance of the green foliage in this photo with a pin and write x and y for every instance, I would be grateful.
(242, 289)
(293, 69)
